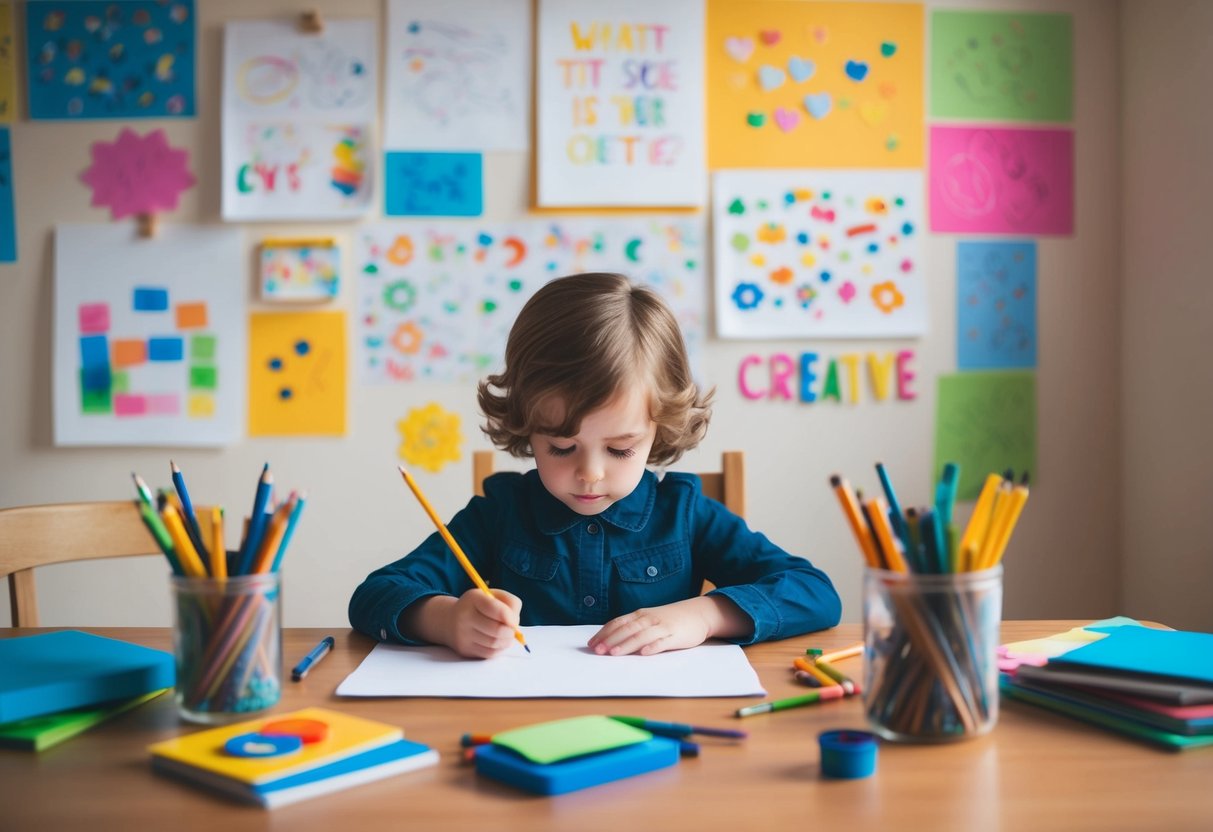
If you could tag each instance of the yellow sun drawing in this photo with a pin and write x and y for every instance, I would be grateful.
(430, 437)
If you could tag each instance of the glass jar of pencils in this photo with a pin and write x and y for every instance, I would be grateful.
(227, 641)
(931, 640)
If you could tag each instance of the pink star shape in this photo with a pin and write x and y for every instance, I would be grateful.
(138, 174)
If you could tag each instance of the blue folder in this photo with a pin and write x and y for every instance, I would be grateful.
(576, 772)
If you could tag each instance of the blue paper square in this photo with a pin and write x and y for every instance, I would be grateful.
(94, 351)
(433, 185)
(149, 299)
(996, 305)
(165, 349)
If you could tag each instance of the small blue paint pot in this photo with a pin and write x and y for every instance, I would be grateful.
(847, 754)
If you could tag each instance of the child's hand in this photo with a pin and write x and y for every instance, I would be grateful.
(481, 627)
(671, 627)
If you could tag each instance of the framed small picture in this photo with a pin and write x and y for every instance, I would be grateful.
(306, 270)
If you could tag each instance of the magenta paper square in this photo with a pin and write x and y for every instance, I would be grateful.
(94, 318)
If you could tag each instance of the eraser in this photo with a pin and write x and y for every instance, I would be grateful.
(847, 754)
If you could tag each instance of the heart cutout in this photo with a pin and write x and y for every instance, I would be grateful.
(801, 69)
(818, 105)
(755, 119)
(737, 207)
(739, 49)
(873, 113)
(771, 77)
(769, 37)
(856, 70)
(786, 119)
(888, 49)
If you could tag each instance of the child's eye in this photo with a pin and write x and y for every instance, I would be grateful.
(554, 451)
(623, 453)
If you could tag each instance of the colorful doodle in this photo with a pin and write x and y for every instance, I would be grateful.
(300, 269)
(430, 437)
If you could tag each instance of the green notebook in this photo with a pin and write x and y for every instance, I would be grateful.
(38, 733)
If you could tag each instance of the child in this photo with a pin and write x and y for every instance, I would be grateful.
(596, 386)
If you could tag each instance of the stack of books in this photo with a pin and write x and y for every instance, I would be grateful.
(277, 760)
(1153, 685)
(55, 685)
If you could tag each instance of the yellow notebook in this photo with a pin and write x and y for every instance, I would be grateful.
(347, 735)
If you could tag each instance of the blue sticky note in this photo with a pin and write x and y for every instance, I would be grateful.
(996, 305)
(94, 351)
(165, 349)
(150, 299)
(100, 59)
(8, 219)
(433, 185)
(96, 378)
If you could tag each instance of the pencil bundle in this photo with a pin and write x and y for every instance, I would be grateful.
(932, 605)
(227, 631)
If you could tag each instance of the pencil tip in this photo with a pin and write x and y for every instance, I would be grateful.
(526, 648)
(835, 480)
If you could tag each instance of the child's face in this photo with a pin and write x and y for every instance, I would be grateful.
(604, 461)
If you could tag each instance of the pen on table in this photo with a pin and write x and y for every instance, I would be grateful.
(318, 652)
(686, 748)
(678, 729)
(454, 545)
(820, 695)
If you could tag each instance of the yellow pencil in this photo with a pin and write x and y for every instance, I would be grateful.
(814, 671)
(274, 529)
(185, 550)
(844, 653)
(998, 516)
(878, 510)
(978, 521)
(454, 545)
(1014, 505)
(218, 550)
(859, 528)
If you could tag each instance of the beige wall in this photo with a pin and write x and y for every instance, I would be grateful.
(1166, 392)
(1062, 563)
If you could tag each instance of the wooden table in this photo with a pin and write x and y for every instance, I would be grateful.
(1035, 771)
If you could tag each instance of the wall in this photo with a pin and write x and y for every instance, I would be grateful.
(1062, 563)
(1166, 397)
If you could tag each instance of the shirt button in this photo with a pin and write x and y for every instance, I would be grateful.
(524, 565)
(383, 634)
(651, 571)
(592, 528)
(588, 600)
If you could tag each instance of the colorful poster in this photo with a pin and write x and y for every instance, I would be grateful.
(986, 423)
(300, 269)
(138, 174)
(298, 120)
(437, 300)
(1002, 66)
(818, 253)
(101, 59)
(458, 75)
(823, 85)
(149, 342)
(8, 216)
(296, 374)
(1002, 181)
(620, 103)
(8, 86)
(433, 184)
(995, 305)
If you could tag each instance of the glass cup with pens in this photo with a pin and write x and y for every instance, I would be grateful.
(227, 624)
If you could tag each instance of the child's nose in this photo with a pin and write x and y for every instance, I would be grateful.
(590, 473)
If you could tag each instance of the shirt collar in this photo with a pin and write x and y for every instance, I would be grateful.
(630, 514)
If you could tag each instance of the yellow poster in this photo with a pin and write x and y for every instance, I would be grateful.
(296, 374)
(836, 85)
(8, 95)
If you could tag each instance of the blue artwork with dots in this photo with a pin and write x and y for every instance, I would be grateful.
(996, 305)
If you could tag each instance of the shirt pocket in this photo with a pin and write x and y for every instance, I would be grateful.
(529, 564)
(651, 566)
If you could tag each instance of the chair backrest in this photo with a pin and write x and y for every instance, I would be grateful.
(726, 485)
(32, 536)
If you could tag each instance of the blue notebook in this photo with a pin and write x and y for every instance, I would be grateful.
(1176, 654)
(575, 772)
(52, 672)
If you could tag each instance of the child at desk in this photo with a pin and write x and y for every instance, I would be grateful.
(596, 387)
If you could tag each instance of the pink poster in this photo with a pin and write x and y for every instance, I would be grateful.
(1002, 181)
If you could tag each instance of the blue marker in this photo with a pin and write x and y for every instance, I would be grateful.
(318, 652)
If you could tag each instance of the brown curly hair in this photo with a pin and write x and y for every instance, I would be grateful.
(583, 339)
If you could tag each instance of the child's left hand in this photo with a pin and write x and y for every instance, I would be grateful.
(670, 627)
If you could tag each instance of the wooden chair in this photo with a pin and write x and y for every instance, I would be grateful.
(726, 485)
(32, 536)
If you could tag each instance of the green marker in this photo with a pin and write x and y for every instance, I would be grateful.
(821, 695)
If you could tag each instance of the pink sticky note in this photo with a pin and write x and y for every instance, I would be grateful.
(126, 404)
(138, 174)
(94, 318)
(163, 404)
(1002, 181)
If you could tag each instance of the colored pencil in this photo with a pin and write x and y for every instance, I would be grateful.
(878, 514)
(218, 549)
(248, 549)
(895, 514)
(181, 543)
(272, 538)
(851, 510)
(187, 514)
(160, 534)
(843, 653)
(678, 729)
(290, 531)
(454, 546)
(806, 666)
(821, 695)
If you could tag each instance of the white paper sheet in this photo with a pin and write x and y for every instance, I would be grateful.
(559, 665)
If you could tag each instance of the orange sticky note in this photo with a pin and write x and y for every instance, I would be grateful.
(125, 352)
(191, 315)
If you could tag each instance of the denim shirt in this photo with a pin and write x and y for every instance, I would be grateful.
(656, 546)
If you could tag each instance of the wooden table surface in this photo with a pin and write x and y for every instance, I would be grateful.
(1035, 771)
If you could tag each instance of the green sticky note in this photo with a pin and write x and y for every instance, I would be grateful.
(551, 742)
(120, 381)
(1002, 65)
(202, 377)
(202, 347)
(95, 401)
(986, 423)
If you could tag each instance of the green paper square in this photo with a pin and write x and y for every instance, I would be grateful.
(1004, 66)
(551, 742)
(985, 423)
(203, 378)
(120, 381)
(202, 347)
